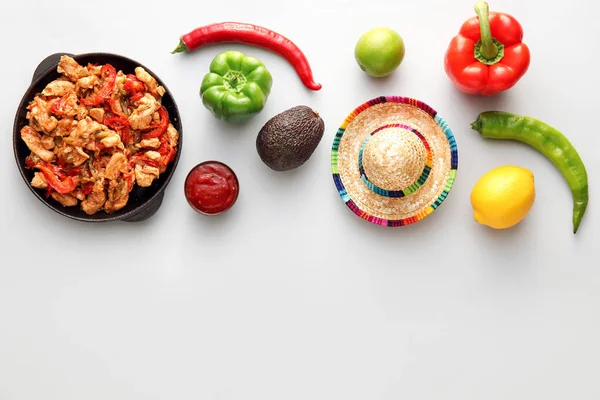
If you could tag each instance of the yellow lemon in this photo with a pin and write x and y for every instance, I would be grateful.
(503, 196)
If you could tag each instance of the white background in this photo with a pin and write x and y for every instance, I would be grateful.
(289, 295)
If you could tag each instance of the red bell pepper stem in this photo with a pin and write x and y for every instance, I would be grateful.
(489, 50)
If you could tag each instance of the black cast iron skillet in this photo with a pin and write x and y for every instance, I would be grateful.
(143, 202)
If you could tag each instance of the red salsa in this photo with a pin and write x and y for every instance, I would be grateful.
(211, 187)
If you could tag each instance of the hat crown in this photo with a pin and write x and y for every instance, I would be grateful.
(394, 158)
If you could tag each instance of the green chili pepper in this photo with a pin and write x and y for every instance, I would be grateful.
(237, 86)
(548, 141)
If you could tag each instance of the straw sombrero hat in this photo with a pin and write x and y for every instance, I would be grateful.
(394, 160)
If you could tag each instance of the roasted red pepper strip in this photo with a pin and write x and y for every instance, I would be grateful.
(29, 164)
(57, 169)
(143, 158)
(88, 188)
(137, 96)
(113, 108)
(120, 125)
(116, 123)
(110, 76)
(237, 32)
(133, 85)
(488, 55)
(64, 186)
(161, 127)
(57, 107)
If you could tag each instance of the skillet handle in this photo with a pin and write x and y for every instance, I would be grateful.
(148, 211)
(48, 63)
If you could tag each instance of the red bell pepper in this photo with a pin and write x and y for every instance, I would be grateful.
(67, 185)
(133, 84)
(112, 102)
(488, 55)
(88, 188)
(159, 128)
(120, 125)
(110, 77)
(136, 97)
(57, 107)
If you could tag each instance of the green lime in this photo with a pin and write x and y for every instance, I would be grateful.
(379, 52)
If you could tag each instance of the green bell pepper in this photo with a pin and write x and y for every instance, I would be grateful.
(237, 86)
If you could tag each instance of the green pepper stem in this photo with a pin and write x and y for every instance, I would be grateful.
(489, 50)
(181, 47)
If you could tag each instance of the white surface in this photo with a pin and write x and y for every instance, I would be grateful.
(289, 295)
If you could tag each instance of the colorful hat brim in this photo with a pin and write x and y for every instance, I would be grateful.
(445, 170)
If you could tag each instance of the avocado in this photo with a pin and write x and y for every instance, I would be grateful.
(288, 139)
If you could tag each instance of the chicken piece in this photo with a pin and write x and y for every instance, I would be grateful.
(78, 193)
(153, 143)
(141, 117)
(112, 141)
(58, 88)
(64, 127)
(47, 142)
(66, 200)
(71, 69)
(74, 155)
(40, 116)
(94, 70)
(120, 81)
(118, 106)
(150, 82)
(86, 82)
(39, 181)
(81, 112)
(116, 165)
(95, 200)
(86, 131)
(153, 155)
(34, 142)
(118, 195)
(144, 175)
(67, 106)
(97, 114)
(172, 136)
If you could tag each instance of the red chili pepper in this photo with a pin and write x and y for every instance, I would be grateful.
(488, 55)
(110, 76)
(64, 186)
(237, 32)
(159, 128)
